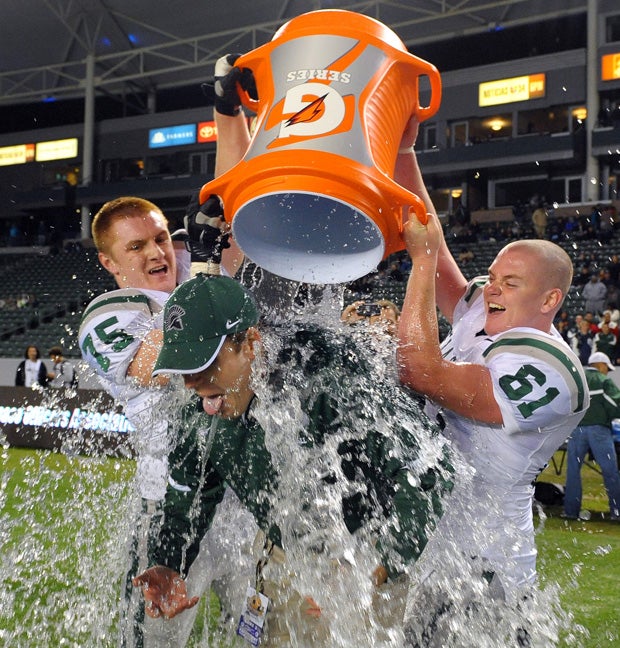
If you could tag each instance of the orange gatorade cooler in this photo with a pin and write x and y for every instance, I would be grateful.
(313, 199)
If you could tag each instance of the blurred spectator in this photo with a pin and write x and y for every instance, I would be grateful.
(31, 371)
(606, 342)
(563, 324)
(465, 256)
(461, 215)
(63, 373)
(592, 322)
(555, 231)
(606, 319)
(595, 295)
(519, 212)
(586, 257)
(582, 277)
(395, 273)
(363, 285)
(459, 233)
(405, 266)
(571, 226)
(539, 221)
(574, 329)
(613, 295)
(15, 235)
(583, 341)
(383, 312)
(516, 230)
(614, 312)
(604, 277)
(594, 434)
(614, 268)
(606, 229)
(595, 217)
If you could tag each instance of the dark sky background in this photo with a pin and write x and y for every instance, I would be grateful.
(519, 42)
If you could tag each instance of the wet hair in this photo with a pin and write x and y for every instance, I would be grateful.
(114, 210)
(32, 346)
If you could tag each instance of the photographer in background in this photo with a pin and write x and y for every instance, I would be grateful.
(63, 372)
(382, 312)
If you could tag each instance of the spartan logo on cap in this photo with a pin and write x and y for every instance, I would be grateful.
(174, 318)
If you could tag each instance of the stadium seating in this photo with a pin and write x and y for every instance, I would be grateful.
(60, 285)
(484, 251)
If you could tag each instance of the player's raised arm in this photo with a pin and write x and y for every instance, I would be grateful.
(450, 282)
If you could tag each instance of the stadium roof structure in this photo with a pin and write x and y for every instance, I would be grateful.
(144, 45)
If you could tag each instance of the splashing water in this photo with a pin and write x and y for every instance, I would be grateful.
(455, 603)
(62, 539)
(65, 520)
(324, 560)
(449, 603)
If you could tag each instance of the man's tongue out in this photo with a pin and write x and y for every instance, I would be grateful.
(211, 404)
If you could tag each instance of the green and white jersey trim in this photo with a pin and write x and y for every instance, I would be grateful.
(129, 299)
(112, 329)
(549, 351)
(474, 289)
(540, 387)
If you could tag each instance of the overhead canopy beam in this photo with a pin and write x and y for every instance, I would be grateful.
(177, 61)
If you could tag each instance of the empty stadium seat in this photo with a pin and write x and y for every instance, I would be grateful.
(61, 285)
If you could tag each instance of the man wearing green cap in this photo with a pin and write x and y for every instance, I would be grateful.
(297, 416)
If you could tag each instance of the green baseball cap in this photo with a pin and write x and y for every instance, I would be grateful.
(198, 316)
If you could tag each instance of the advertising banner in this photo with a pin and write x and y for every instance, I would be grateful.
(81, 421)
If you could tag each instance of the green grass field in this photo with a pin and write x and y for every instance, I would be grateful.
(59, 523)
(60, 558)
(584, 559)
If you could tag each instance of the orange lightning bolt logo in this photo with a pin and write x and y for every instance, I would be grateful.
(308, 113)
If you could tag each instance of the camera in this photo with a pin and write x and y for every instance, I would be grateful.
(368, 310)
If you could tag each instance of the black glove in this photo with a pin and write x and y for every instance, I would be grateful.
(227, 76)
(202, 222)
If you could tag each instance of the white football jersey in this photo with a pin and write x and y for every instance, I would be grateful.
(111, 332)
(540, 387)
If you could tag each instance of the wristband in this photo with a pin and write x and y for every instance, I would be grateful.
(205, 267)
